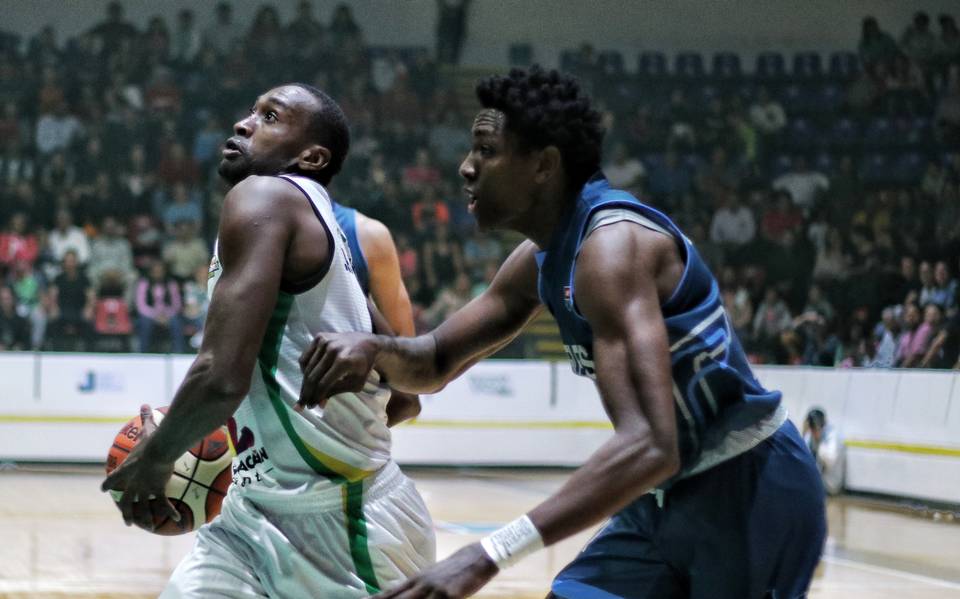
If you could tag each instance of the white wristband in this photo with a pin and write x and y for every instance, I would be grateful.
(508, 545)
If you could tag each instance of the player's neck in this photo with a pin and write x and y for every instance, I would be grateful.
(545, 217)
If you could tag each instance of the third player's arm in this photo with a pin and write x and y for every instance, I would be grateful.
(617, 293)
(427, 363)
(386, 283)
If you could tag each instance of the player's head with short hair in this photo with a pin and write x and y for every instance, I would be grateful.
(536, 141)
(293, 128)
(547, 108)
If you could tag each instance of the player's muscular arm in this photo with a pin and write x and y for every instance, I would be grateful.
(386, 284)
(256, 229)
(336, 363)
(617, 292)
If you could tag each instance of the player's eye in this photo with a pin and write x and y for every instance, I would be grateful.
(271, 116)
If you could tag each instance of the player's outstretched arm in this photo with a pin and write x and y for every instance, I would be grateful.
(617, 293)
(335, 363)
(256, 227)
(386, 283)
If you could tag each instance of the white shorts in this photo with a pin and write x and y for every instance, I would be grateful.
(348, 541)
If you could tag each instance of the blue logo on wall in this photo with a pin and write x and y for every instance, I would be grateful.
(93, 381)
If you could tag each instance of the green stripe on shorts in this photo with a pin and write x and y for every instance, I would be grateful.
(357, 533)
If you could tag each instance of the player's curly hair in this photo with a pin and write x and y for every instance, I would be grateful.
(546, 108)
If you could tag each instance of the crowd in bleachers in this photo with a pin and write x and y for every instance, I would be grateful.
(824, 195)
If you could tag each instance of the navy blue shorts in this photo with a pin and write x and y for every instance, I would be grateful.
(752, 527)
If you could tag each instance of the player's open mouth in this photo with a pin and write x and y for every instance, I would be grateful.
(231, 149)
(471, 199)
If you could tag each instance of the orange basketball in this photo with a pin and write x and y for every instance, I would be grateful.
(200, 478)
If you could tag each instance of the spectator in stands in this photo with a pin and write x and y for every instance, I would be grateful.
(622, 170)
(223, 33)
(344, 30)
(944, 350)
(780, 218)
(804, 184)
(186, 39)
(877, 47)
(159, 305)
(14, 329)
(450, 299)
(442, 259)
(947, 115)
(737, 303)
(56, 175)
(927, 284)
(914, 341)
(886, 338)
(670, 180)
(66, 236)
(948, 46)
(478, 251)
(943, 289)
(30, 291)
(185, 206)
(826, 444)
(17, 243)
(772, 318)
(111, 261)
(135, 179)
(718, 177)
(421, 174)
(71, 306)
(768, 116)
(832, 262)
(430, 209)
(195, 304)
(56, 130)
(177, 167)
(733, 224)
(185, 252)
(112, 32)
(918, 42)
(15, 166)
(447, 140)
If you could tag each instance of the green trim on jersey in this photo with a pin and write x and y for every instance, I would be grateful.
(268, 359)
(357, 534)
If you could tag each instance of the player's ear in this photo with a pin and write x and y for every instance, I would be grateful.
(313, 159)
(549, 164)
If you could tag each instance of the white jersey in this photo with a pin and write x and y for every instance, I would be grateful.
(279, 452)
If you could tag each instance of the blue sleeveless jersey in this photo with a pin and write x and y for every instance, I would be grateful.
(347, 219)
(714, 390)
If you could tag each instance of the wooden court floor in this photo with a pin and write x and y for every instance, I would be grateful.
(60, 537)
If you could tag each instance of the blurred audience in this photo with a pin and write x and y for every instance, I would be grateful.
(825, 204)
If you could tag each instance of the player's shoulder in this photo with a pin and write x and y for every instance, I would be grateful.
(373, 234)
(262, 195)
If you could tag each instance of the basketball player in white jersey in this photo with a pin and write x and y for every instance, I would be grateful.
(317, 507)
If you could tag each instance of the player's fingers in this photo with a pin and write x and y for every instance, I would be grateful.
(116, 480)
(317, 370)
(126, 508)
(331, 377)
(147, 423)
(310, 388)
(352, 382)
(142, 514)
(314, 353)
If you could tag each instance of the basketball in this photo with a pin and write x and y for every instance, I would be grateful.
(200, 478)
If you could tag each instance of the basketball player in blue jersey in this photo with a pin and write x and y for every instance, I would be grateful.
(709, 489)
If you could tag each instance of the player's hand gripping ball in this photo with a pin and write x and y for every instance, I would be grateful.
(200, 477)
